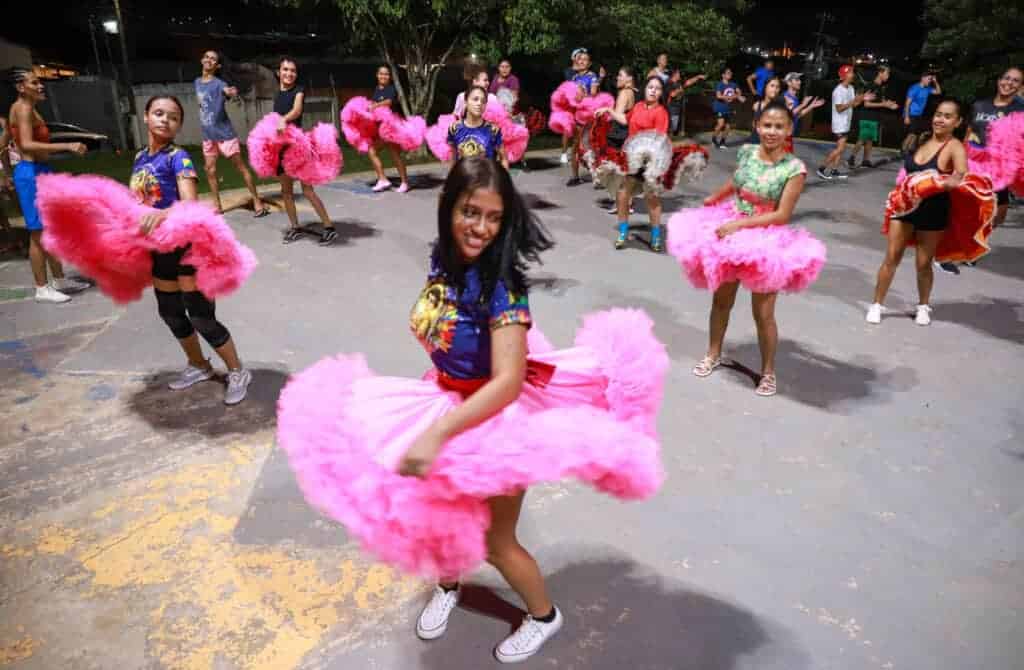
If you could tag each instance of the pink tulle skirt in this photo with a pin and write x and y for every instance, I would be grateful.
(1002, 159)
(765, 260)
(312, 157)
(589, 413)
(93, 223)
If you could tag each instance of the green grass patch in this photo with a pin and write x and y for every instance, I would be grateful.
(119, 166)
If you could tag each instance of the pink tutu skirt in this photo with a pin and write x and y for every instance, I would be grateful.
(93, 222)
(765, 260)
(588, 412)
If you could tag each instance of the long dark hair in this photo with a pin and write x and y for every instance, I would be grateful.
(519, 242)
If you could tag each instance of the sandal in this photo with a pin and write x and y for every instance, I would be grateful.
(706, 366)
(260, 213)
(291, 235)
(767, 386)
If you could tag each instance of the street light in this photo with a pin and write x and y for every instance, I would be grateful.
(110, 27)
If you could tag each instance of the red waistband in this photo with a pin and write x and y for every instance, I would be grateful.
(538, 374)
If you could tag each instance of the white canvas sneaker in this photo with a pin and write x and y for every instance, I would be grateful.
(528, 639)
(433, 621)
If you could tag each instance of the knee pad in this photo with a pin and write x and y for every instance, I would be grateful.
(202, 314)
(171, 308)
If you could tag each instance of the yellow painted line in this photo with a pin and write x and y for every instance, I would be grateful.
(18, 650)
(171, 545)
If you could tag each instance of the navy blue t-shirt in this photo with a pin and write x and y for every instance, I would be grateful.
(455, 327)
(386, 93)
(285, 101)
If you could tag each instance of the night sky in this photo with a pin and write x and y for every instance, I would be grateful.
(891, 28)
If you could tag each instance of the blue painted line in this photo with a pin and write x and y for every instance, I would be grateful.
(15, 354)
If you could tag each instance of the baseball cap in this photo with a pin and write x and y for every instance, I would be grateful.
(791, 76)
(845, 70)
(578, 51)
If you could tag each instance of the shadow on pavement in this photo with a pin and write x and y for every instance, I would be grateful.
(812, 378)
(618, 615)
(1002, 319)
(201, 408)
(553, 285)
(534, 201)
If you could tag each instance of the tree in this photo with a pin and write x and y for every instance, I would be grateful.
(417, 37)
(697, 35)
(975, 40)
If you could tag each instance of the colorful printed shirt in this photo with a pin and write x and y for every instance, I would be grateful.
(759, 185)
(720, 106)
(586, 80)
(484, 140)
(155, 177)
(455, 327)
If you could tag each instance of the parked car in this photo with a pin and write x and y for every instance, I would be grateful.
(68, 132)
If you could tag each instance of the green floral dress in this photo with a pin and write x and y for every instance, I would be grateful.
(759, 184)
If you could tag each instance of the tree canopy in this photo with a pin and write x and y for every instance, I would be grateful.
(974, 41)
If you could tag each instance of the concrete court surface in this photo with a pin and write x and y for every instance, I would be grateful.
(869, 516)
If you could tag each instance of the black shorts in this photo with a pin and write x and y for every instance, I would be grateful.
(1003, 197)
(932, 215)
(168, 266)
(725, 115)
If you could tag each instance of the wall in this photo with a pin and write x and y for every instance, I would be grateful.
(244, 114)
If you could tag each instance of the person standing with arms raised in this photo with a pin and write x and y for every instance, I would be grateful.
(915, 120)
(757, 80)
(219, 138)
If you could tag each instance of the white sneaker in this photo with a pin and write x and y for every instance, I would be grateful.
(191, 376)
(68, 284)
(875, 313)
(49, 294)
(924, 315)
(433, 621)
(381, 185)
(528, 639)
(564, 159)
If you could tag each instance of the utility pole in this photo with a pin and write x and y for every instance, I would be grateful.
(95, 49)
(124, 42)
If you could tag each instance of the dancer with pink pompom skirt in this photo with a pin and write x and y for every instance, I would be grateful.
(741, 236)
(474, 135)
(430, 473)
(288, 103)
(386, 96)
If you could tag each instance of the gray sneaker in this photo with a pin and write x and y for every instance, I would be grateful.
(238, 385)
(191, 376)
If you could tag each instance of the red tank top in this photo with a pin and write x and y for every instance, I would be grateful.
(40, 133)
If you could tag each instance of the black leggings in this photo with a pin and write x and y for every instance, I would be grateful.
(186, 312)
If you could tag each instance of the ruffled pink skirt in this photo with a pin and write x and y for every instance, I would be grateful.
(765, 260)
(587, 412)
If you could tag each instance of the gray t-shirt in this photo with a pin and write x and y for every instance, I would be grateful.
(216, 125)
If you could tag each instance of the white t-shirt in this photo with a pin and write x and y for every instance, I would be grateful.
(842, 95)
